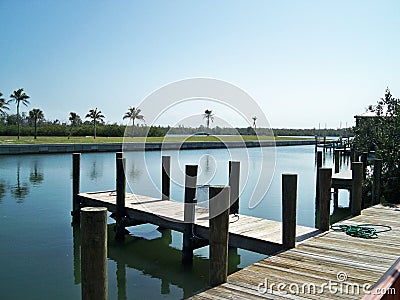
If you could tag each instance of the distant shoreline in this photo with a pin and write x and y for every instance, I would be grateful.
(14, 149)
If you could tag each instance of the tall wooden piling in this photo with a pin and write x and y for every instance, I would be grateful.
(165, 177)
(94, 253)
(364, 160)
(76, 165)
(289, 198)
(324, 144)
(356, 189)
(189, 213)
(219, 234)
(325, 183)
(120, 187)
(337, 160)
(376, 184)
(316, 143)
(319, 165)
(234, 174)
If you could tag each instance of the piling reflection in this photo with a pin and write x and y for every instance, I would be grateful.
(20, 190)
(2, 190)
(36, 176)
(156, 258)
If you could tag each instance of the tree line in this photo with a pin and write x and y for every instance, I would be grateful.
(35, 124)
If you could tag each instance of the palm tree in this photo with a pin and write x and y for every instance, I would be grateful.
(254, 122)
(95, 115)
(3, 105)
(132, 114)
(19, 96)
(208, 116)
(35, 115)
(75, 119)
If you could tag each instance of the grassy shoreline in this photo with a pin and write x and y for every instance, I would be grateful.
(10, 140)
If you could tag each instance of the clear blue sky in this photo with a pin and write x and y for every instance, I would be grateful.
(304, 62)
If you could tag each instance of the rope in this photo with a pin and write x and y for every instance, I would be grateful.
(365, 231)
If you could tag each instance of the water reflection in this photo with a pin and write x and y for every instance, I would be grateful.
(19, 191)
(36, 176)
(156, 258)
(2, 190)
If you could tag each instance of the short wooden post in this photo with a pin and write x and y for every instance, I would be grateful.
(234, 174)
(356, 189)
(337, 160)
(165, 177)
(76, 205)
(289, 198)
(189, 213)
(219, 234)
(325, 183)
(120, 187)
(376, 184)
(94, 253)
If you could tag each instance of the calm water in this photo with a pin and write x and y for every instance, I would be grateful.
(39, 249)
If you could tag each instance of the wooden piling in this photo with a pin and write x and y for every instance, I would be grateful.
(376, 184)
(219, 234)
(234, 175)
(337, 160)
(76, 165)
(120, 187)
(324, 143)
(165, 177)
(316, 143)
(319, 165)
(189, 213)
(94, 253)
(325, 183)
(119, 155)
(356, 189)
(289, 197)
(364, 160)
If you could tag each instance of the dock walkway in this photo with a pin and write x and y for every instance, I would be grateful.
(246, 232)
(337, 264)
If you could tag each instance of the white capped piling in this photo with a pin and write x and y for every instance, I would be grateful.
(219, 234)
(325, 183)
(289, 198)
(165, 177)
(120, 187)
(94, 253)
(189, 213)
(234, 182)
(376, 183)
(76, 205)
(356, 188)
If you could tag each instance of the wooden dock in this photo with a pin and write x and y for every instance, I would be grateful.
(245, 232)
(330, 257)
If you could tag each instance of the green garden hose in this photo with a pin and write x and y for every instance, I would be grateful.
(365, 231)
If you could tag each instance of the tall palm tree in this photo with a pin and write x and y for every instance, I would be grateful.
(19, 96)
(95, 115)
(75, 119)
(254, 122)
(132, 114)
(3, 105)
(35, 115)
(208, 115)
